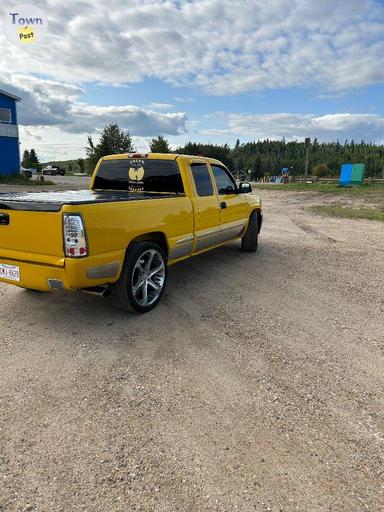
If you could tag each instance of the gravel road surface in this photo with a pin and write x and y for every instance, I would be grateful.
(255, 385)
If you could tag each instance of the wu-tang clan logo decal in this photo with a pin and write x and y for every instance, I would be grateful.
(136, 173)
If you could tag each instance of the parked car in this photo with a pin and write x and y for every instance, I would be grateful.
(28, 173)
(141, 214)
(53, 171)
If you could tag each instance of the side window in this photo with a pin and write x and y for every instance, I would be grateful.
(202, 179)
(225, 183)
(5, 115)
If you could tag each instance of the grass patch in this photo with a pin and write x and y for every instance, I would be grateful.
(18, 179)
(347, 212)
(327, 188)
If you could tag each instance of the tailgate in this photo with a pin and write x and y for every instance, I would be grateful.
(34, 236)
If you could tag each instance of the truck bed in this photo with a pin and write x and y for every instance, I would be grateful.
(53, 201)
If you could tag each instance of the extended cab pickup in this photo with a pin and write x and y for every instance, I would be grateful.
(141, 214)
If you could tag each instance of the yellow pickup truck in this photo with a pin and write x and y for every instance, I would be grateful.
(142, 213)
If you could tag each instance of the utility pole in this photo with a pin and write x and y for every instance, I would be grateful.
(307, 147)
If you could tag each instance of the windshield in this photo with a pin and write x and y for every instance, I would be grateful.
(139, 175)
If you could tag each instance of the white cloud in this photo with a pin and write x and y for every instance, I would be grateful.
(52, 103)
(160, 106)
(222, 46)
(330, 127)
(138, 121)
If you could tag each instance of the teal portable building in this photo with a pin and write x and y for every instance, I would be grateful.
(352, 174)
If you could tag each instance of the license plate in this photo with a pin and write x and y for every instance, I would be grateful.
(10, 272)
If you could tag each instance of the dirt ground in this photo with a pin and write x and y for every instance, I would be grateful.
(255, 385)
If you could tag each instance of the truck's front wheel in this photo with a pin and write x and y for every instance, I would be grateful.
(250, 238)
(143, 278)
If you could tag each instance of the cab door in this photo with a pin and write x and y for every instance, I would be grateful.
(207, 208)
(234, 210)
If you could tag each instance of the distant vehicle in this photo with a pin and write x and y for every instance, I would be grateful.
(53, 170)
(28, 173)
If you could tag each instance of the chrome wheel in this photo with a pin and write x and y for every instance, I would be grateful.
(148, 277)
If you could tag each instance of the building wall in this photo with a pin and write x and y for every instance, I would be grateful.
(9, 156)
(9, 140)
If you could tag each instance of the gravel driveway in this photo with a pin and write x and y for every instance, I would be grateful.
(256, 384)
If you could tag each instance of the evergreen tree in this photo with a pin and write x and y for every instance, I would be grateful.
(222, 153)
(159, 145)
(33, 158)
(30, 160)
(267, 157)
(113, 141)
(26, 159)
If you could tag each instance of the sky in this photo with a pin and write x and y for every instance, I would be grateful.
(197, 70)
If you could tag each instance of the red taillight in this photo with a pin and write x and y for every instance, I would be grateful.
(75, 239)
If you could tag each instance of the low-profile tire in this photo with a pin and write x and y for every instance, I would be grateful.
(142, 280)
(250, 238)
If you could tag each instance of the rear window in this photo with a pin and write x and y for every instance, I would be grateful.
(137, 175)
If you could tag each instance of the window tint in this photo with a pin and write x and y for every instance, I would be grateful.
(5, 115)
(202, 179)
(139, 175)
(225, 183)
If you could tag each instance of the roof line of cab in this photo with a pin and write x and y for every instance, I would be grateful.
(161, 156)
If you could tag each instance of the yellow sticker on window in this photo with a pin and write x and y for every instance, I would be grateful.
(136, 174)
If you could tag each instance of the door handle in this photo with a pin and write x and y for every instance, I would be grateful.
(223, 205)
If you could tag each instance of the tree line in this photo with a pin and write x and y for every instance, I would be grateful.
(267, 157)
(258, 159)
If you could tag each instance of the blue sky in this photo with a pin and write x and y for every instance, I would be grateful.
(300, 100)
(200, 70)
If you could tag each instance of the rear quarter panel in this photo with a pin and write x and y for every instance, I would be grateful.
(112, 226)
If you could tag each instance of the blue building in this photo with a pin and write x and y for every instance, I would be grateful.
(9, 135)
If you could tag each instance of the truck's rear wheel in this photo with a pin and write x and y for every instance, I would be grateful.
(143, 278)
(250, 238)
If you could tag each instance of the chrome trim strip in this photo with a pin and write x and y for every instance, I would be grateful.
(218, 236)
(232, 225)
(208, 233)
(184, 240)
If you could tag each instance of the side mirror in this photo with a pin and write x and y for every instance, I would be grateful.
(245, 188)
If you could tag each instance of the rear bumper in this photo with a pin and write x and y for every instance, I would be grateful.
(73, 275)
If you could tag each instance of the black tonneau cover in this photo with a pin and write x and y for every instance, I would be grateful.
(53, 201)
